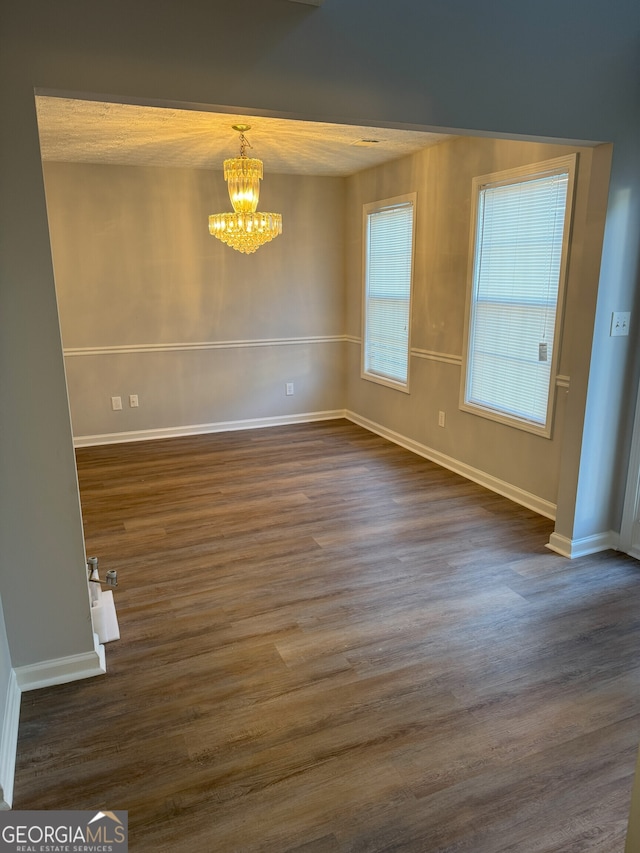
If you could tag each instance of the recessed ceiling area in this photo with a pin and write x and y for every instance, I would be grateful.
(80, 131)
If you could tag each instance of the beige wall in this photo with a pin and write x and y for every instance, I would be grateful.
(135, 267)
(340, 62)
(442, 177)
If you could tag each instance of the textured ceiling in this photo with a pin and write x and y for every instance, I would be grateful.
(81, 131)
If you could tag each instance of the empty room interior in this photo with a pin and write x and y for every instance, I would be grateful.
(363, 602)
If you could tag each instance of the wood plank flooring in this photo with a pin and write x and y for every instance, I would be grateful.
(330, 644)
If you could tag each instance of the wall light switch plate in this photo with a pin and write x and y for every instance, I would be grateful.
(116, 403)
(620, 323)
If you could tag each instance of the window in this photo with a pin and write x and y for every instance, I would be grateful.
(388, 268)
(520, 240)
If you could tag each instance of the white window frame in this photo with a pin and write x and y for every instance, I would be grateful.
(559, 165)
(409, 199)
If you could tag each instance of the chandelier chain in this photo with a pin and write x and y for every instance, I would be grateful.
(244, 144)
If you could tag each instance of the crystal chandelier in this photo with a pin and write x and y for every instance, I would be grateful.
(245, 229)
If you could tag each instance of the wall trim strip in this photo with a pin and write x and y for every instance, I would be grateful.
(573, 548)
(61, 670)
(73, 352)
(519, 496)
(198, 429)
(448, 358)
(432, 355)
(129, 349)
(9, 744)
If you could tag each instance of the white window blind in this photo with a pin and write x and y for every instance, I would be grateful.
(388, 272)
(517, 266)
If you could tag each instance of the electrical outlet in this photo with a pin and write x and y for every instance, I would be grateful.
(116, 403)
(133, 401)
(289, 389)
(441, 419)
(620, 323)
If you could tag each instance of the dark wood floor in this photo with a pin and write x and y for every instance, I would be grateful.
(330, 644)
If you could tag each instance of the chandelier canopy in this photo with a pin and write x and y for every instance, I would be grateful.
(245, 229)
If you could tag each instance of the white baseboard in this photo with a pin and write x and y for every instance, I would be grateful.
(61, 670)
(507, 490)
(32, 677)
(201, 429)
(573, 548)
(9, 742)
(634, 552)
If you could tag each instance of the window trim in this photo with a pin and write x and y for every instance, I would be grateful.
(506, 177)
(367, 209)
